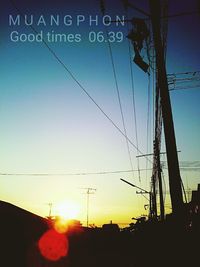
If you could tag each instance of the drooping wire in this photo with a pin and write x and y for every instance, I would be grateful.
(102, 6)
(148, 119)
(119, 100)
(133, 95)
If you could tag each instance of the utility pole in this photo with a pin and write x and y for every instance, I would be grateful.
(89, 192)
(170, 141)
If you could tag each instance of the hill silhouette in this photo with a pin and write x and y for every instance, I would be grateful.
(19, 229)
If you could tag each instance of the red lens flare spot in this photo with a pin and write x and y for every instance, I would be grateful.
(53, 245)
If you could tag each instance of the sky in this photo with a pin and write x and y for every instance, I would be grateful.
(49, 125)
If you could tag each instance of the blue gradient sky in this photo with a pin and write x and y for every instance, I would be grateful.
(49, 125)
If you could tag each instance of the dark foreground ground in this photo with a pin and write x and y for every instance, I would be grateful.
(152, 244)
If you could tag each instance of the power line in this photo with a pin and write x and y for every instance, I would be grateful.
(185, 87)
(117, 89)
(183, 80)
(70, 174)
(133, 91)
(77, 82)
(148, 16)
(90, 173)
(128, 4)
(181, 14)
(148, 119)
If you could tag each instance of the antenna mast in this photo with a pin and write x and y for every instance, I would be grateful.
(89, 191)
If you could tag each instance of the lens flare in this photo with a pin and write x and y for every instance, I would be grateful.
(53, 245)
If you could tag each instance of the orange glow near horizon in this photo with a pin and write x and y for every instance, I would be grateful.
(68, 227)
(66, 214)
(61, 225)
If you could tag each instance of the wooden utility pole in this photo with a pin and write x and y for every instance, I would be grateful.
(170, 141)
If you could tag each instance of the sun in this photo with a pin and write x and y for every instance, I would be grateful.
(66, 215)
(67, 210)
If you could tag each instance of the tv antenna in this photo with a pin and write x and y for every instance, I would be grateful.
(89, 191)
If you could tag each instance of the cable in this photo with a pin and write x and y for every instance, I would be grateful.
(185, 88)
(70, 174)
(116, 85)
(154, 102)
(148, 119)
(193, 73)
(137, 9)
(133, 98)
(78, 83)
(119, 98)
(183, 80)
(181, 14)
